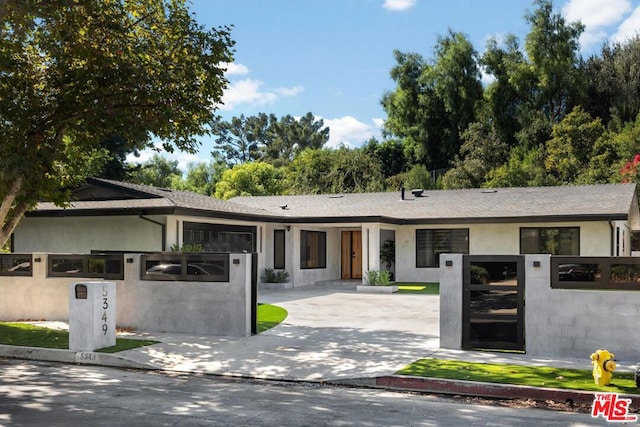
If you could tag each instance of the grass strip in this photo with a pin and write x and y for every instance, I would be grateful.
(536, 376)
(418, 288)
(28, 335)
(270, 316)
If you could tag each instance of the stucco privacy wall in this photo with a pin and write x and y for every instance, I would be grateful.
(558, 322)
(574, 322)
(209, 308)
(81, 235)
(494, 239)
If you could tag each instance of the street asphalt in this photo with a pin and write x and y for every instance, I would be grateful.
(331, 334)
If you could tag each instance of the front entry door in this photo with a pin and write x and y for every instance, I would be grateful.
(351, 255)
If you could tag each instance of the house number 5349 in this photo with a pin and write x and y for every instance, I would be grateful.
(105, 305)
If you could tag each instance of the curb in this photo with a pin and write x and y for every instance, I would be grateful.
(490, 390)
(72, 356)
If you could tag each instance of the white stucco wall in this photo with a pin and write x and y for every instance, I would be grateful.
(210, 308)
(493, 239)
(81, 235)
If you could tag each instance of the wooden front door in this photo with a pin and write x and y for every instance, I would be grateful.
(351, 255)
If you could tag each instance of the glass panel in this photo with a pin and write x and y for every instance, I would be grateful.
(625, 273)
(494, 302)
(206, 268)
(66, 265)
(15, 264)
(579, 272)
(494, 273)
(96, 265)
(164, 267)
(278, 249)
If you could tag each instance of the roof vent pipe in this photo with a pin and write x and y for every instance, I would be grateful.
(401, 193)
(417, 192)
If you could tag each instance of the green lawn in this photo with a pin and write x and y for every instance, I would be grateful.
(418, 288)
(575, 379)
(270, 316)
(28, 335)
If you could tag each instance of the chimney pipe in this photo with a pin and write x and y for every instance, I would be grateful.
(401, 193)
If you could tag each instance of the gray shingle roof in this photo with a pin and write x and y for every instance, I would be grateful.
(468, 204)
(614, 201)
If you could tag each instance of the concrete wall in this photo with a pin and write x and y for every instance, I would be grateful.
(574, 322)
(558, 322)
(208, 308)
(494, 239)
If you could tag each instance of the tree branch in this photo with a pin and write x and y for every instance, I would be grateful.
(9, 198)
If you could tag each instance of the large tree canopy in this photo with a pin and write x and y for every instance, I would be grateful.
(73, 72)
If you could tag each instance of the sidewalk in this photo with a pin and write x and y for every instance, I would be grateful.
(314, 343)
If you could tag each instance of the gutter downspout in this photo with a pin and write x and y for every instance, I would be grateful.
(164, 230)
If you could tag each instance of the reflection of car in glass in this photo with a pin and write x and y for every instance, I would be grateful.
(23, 266)
(576, 272)
(176, 269)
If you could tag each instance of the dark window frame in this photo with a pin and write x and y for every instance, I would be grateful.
(435, 261)
(13, 264)
(306, 251)
(182, 263)
(84, 262)
(279, 249)
(540, 229)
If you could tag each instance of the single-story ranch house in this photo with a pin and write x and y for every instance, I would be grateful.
(340, 236)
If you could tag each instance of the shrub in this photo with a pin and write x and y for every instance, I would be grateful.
(269, 275)
(378, 277)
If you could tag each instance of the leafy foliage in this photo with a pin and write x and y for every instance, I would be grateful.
(269, 275)
(250, 179)
(74, 73)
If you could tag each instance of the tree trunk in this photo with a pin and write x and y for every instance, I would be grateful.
(10, 212)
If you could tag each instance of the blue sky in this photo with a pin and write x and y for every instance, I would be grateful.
(333, 57)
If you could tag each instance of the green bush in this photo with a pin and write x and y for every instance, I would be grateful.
(269, 275)
(378, 277)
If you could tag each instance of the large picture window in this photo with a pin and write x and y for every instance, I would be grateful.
(431, 243)
(220, 237)
(550, 240)
(313, 249)
(278, 249)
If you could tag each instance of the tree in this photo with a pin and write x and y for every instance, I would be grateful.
(390, 154)
(572, 145)
(73, 73)
(433, 103)
(613, 82)
(288, 137)
(483, 150)
(267, 138)
(157, 172)
(250, 179)
(201, 177)
(329, 171)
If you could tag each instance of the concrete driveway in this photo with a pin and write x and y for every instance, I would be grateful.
(332, 332)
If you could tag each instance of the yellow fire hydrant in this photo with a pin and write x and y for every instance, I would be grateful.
(603, 366)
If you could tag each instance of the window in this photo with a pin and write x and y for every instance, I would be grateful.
(278, 249)
(220, 237)
(313, 249)
(550, 240)
(431, 243)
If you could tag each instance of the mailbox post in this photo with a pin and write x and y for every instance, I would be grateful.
(92, 315)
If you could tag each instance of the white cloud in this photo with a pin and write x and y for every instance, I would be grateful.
(250, 92)
(596, 15)
(398, 5)
(629, 28)
(234, 69)
(350, 132)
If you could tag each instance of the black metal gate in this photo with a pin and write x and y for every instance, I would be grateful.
(493, 302)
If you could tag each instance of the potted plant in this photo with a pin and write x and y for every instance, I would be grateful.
(388, 255)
